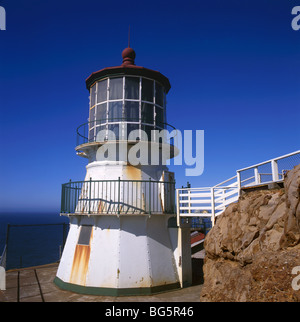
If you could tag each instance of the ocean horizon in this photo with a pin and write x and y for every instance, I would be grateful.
(35, 238)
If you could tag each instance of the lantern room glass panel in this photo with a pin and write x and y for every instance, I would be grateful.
(159, 95)
(92, 117)
(93, 95)
(100, 136)
(91, 135)
(131, 111)
(147, 90)
(132, 127)
(159, 117)
(101, 113)
(116, 88)
(147, 129)
(102, 91)
(113, 133)
(115, 111)
(132, 88)
(147, 113)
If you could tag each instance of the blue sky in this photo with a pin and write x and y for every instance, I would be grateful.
(233, 67)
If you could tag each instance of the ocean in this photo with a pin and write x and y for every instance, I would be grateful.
(34, 238)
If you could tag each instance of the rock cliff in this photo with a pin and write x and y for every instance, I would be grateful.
(254, 246)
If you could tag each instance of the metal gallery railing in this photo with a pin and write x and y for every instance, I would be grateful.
(89, 132)
(118, 197)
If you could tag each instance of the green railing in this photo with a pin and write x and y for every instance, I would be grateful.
(87, 132)
(118, 197)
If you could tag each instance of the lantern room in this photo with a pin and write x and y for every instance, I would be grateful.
(126, 98)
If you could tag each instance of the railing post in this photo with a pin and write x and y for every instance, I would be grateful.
(173, 187)
(86, 131)
(189, 200)
(69, 196)
(62, 205)
(178, 207)
(256, 175)
(90, 195)
(7, 243)
(212, 196)
(238, 178)
(149, 195)
(76, 196)
(274, 165)
(223, 197)
(119, 193)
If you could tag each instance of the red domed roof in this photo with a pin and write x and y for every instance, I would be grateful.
(128, 67)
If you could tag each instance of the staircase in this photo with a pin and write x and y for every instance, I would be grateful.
(212, 201)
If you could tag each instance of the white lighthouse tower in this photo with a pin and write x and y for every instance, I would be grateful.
(124, 238)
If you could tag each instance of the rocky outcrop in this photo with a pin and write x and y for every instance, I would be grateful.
(254, 246)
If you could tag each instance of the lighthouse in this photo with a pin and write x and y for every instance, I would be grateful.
(124, 237)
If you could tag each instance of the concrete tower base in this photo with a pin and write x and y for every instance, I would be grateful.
(124, 255)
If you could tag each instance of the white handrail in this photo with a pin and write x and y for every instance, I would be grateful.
(275, 159)
(212, 201)
(273, 163)
(219, 184)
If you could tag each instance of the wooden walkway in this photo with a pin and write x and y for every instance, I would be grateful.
(35, 284)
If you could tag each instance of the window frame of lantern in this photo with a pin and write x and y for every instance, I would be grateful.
(141, 124)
